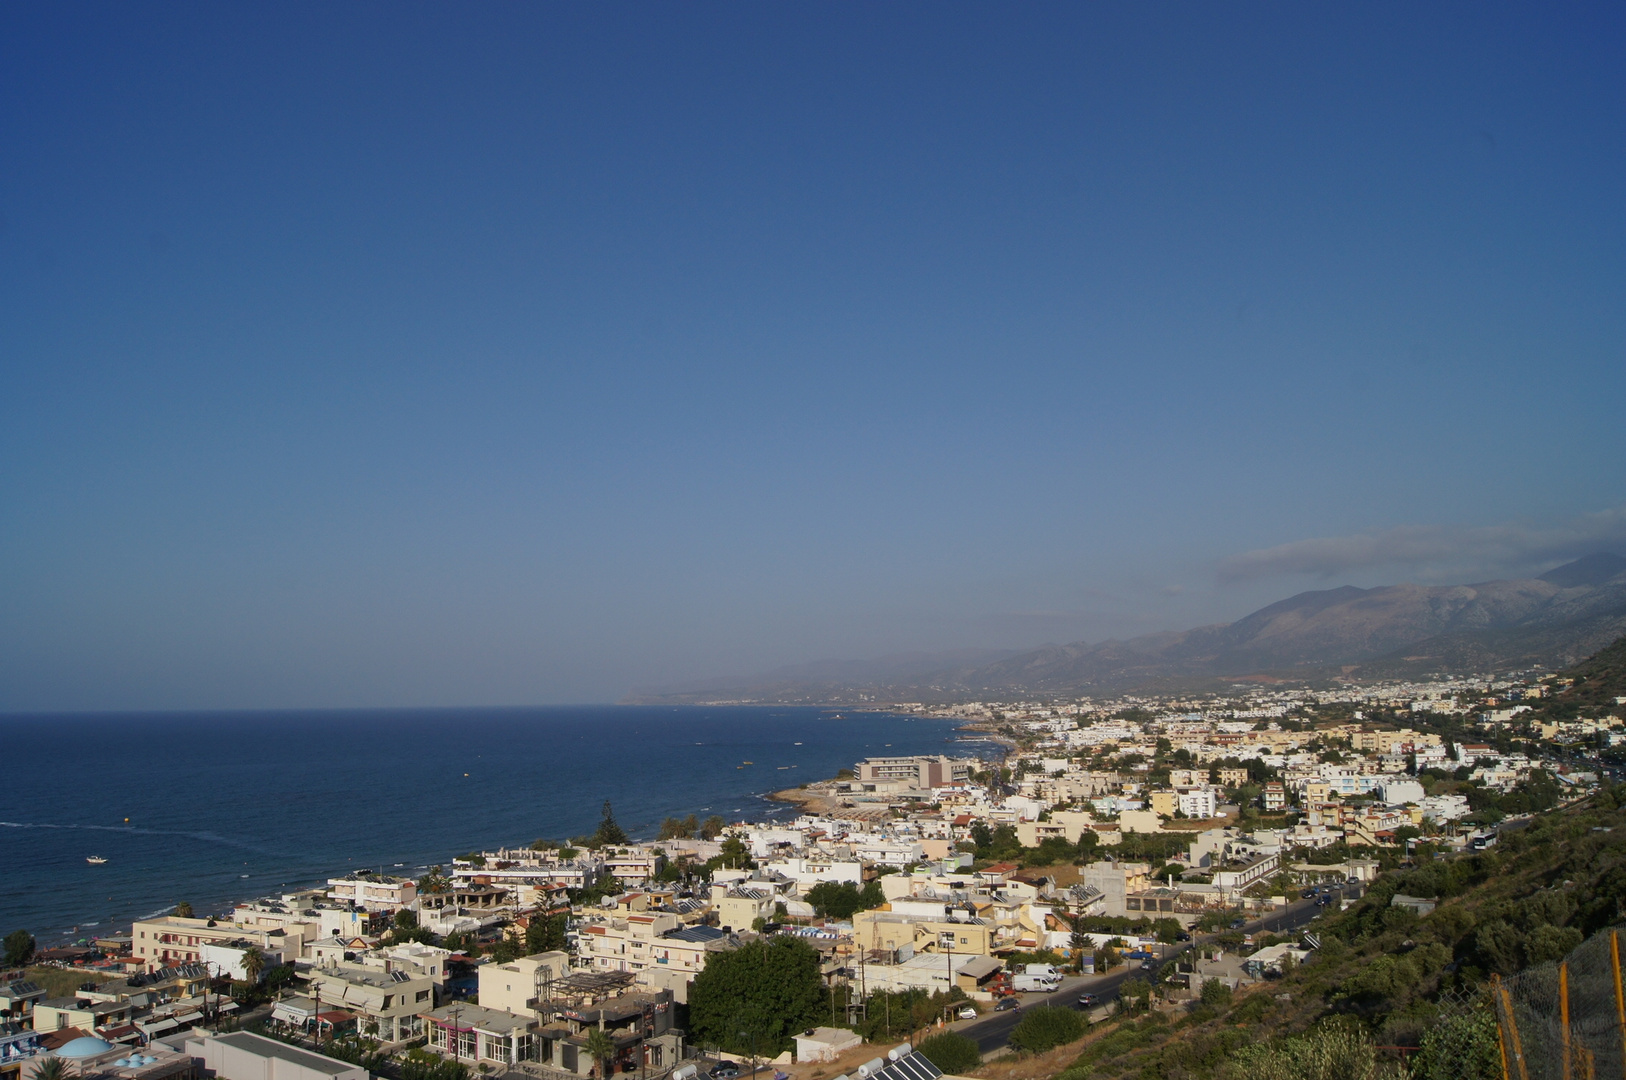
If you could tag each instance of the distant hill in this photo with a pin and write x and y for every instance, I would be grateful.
(1392, 631)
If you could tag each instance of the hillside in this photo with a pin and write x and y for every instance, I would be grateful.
(1397, 630)
(1393, 976)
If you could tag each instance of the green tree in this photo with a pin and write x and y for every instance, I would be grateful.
(712, 828)
(736, 856)
(420, 1064)
(545, 934)
(770, 988)
(950, 1051)
(601, 1047)
(1136, 994)
(840, 900)
(608, 831)
(679, 828)
(52, 1068)
(1216, 993)
(183, 910)
(460, 942)
(1461, 1048)
(1078, 943)
(1046, 1027)
(19, 948)
(435, 881)
(253, 963)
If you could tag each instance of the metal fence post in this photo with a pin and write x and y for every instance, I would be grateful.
(1564, 1015)
(1620, 997)
(1501, 1035)
(1513, 1029)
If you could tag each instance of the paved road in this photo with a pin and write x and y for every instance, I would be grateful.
(993, 1030)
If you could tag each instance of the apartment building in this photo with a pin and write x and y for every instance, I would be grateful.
(1196, 802)
(387, 1004)
(892, 931)
(516, 986)
(373, 892)
(170, 941)
(659, 951)
(913, 772)
(481, 1035)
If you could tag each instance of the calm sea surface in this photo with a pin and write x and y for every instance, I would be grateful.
(216, 807)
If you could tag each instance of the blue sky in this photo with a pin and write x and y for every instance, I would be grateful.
(376, 355)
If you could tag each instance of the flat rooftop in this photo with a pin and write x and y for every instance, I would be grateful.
(270, 1048)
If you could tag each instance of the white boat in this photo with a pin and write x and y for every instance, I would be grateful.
(95, 860)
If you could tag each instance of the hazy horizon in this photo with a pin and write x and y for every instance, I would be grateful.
(373, 357)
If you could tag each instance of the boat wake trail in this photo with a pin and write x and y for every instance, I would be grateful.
(206, 837)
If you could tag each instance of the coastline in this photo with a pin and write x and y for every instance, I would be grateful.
(245, 848)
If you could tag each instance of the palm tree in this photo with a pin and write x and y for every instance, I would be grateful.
(601, 1048)
(253, 963)
(52, 1068)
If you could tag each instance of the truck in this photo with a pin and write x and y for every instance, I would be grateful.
(1030, 983)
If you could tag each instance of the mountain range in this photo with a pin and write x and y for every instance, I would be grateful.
(1387, 632)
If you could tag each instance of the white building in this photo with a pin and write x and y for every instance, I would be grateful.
(242, 1055)
(1396, 791)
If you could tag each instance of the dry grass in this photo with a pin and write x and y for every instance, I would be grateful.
(62, 982)
(1031, 1066)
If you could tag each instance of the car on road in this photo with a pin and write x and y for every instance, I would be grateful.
(1307, 893)
(1007, 1004)
(1182, 937)
(1237, 924)
(1088, 1001)
(724, 1070)
(967, 1012)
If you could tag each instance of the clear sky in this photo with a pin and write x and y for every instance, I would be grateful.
(512, 353)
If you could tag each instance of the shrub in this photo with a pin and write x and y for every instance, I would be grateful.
(1046, 1028)
(1329, 1053)
(1461, 1048)
(951, 1052)
(1216, 993)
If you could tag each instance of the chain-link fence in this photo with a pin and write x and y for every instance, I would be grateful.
(1564, 1020)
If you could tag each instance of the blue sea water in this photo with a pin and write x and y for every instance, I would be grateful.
(213, 808)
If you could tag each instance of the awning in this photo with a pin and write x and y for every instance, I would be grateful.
(979, 967)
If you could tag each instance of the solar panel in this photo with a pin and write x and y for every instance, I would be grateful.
(912, 1066)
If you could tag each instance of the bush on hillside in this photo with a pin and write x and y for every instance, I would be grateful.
(1328, 1053)
(951, 1052)
(1046, 1028)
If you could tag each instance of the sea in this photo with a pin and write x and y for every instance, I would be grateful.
(215, 808)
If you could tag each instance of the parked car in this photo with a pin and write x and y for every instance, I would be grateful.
(1007, 1004)
(1307, 893)
(725, 1070)
(967, 1012)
